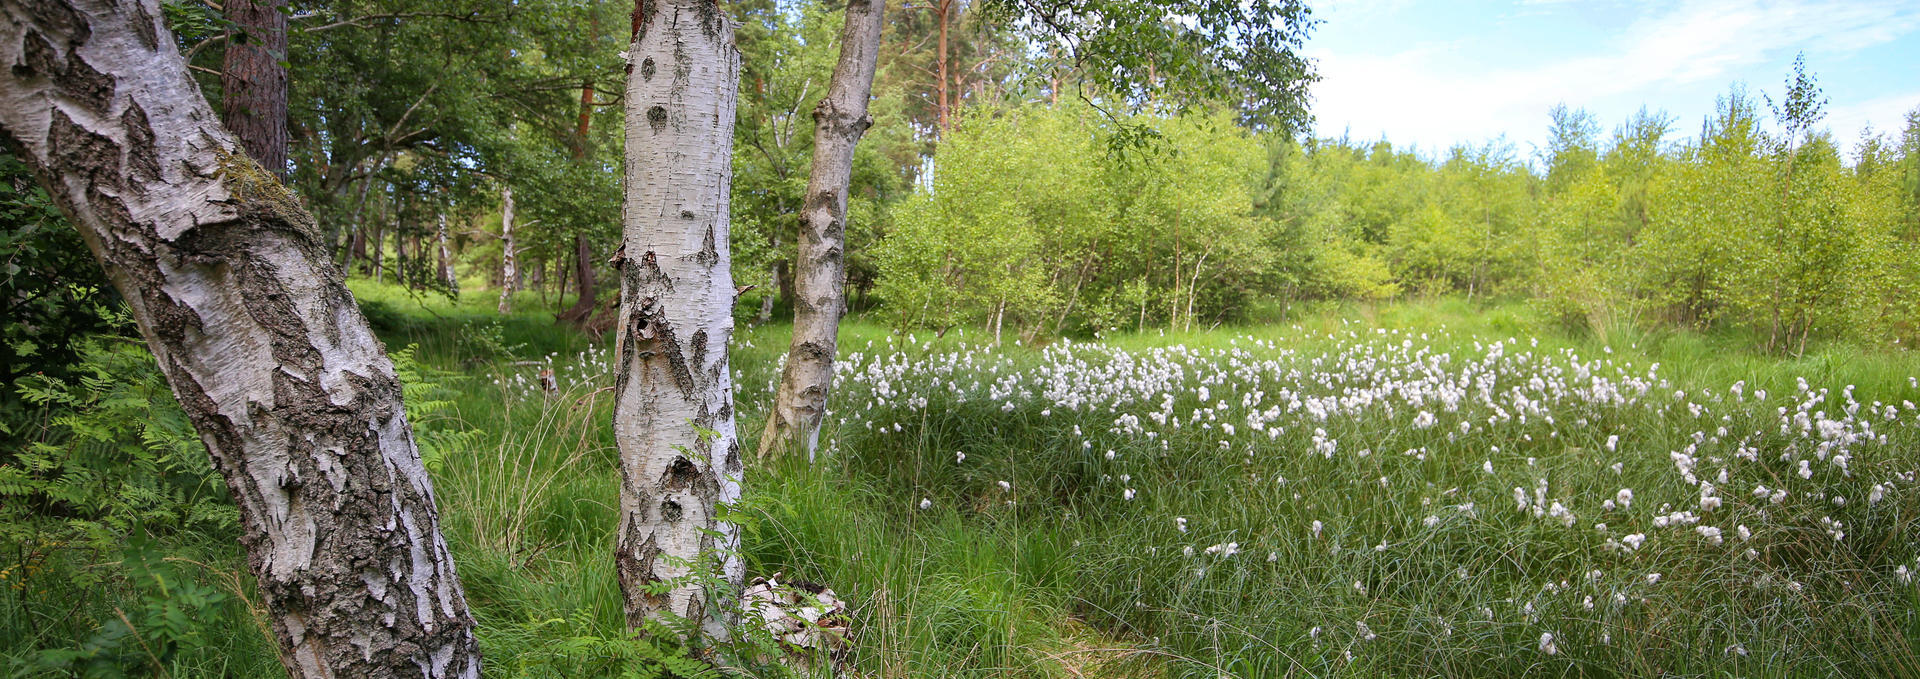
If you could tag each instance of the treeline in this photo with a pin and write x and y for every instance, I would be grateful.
(1034, 221)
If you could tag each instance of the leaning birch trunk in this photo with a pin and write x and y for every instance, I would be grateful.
(230, 282)
(820, 264)
(673, 395)
(508, 267)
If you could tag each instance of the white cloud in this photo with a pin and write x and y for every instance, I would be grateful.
(1885, 115)
(1422, 95)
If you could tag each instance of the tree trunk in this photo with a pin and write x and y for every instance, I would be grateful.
(254, 84)
(231, 284)
(583, 278)
(940, 91)
(446, 255)
(820, 264)
(766, 301)
(509, 273)
(673, 412)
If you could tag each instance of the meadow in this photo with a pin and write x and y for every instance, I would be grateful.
(1431, 488)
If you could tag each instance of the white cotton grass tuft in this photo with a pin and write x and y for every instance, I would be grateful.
(1546, 644)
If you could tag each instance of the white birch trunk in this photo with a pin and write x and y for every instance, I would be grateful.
(446, 255)
(509, 272)
(820, 261)
(673, 413)
(230, 282)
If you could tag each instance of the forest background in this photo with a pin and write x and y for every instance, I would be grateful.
(1027, 203)
(461, 149)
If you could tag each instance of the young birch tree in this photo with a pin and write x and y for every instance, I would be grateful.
(229, 280)
(673, 409)
(819, 283)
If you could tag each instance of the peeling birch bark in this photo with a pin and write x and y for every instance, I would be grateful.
(820, 261)
(509, 268)
(230, 282)
(673, 408)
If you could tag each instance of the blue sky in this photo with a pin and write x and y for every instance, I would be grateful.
(1434, 74)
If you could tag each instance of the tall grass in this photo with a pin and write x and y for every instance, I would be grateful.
(1058, 574)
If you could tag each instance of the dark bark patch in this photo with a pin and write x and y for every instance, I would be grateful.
(95, 157)
(61, 18)
(647, 69)
(145, 26)
(143, 159)
(732, 463)
(709, 253)
(38, 59)
(671, 512)
(657, 118)
(699, 348)
(84, 84)
(682, 474)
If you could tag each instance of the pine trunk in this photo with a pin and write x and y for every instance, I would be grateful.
(583, 278)
(673, 413)
(254, 84)
(820, 264)
(230, 282)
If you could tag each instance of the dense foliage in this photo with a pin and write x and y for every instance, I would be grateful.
(1030, 221)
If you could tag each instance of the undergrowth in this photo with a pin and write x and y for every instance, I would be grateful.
(966, 503)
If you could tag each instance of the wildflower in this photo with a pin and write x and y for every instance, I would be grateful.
(1546, 644)
(1588, 604)
(1653, 578)
(959, 457)
(1273, 556)
(1180, 522)
(1624, 498)
(1110, 456)
(1127, 495)
(1188, 552)
(1487, 466)
(1806, 472)
(1906, 576)
(1365, 633)
(926, 503)
(1617, 468)
(1431, 521)
(1742, 531)
(1006, 487)
(1316, 526)
(1761, 492)
(1595, 575)
(1362, 589)
(1633, 541)
(1795, 586)
(1711, 534)
(1613, 443)
(1565, 516)
(1879, 493)
(1600, 528)
(1380, 547)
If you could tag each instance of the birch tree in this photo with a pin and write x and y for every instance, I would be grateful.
(229, 281)
(820, 277)
(673, 413)
(509, 252)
